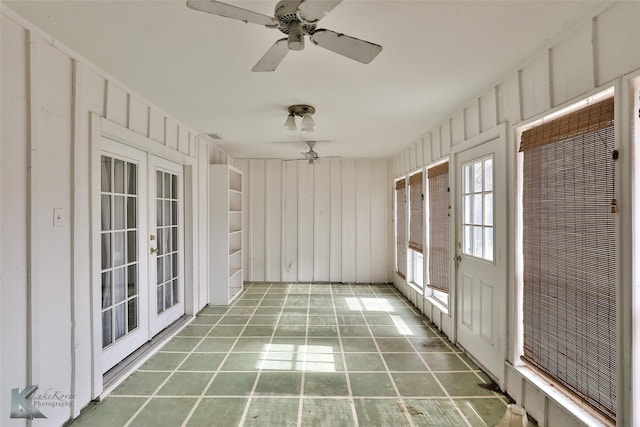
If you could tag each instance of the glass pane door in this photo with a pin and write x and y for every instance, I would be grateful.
(167, 294)
(121, 212)
(119, 254)
(166, 277)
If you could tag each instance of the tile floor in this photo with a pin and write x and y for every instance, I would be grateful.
(304, 355)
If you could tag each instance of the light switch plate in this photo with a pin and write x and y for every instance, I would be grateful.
(57, 217)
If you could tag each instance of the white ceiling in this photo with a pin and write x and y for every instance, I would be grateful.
(197, 67)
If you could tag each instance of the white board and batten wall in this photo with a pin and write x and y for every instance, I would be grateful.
(595, 53)
(50, 95)
(325, 222)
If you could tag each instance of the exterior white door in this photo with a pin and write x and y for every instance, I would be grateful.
(141, 284)
(166, 267)
(123, 267)
(481, 254)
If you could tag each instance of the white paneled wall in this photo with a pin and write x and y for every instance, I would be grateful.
(316, 223)
(49, 95)
(591, 55)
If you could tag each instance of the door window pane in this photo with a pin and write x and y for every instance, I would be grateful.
(477, 209)
(118, 176)
(105, 172)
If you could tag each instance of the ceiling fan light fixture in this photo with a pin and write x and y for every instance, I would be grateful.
(307, 123)
(290, 124)
(304, 111)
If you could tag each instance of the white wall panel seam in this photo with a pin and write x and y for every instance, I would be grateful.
(77, 159)
(33, 348)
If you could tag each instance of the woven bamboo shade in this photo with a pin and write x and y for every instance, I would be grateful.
(569, 253)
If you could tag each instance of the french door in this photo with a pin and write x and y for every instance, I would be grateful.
(141, 268)
(481, 256)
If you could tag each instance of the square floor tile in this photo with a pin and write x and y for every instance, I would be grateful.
(435, 412)
(394, 345)
(322, 345)
(268, 310)
(215, 344)
(226, 331)
(354, 331)
(416, 384)
(444, 362)
(480, 412)
(206, 362)
(141, 383)
(379, 319)
(278, 384)
(185, 384)
(390, 331)
(265, 412)
(290, 331)
(322, 331)
(352, 344)
(430, 345)
(364, 362)
(322, 362)
(262, 319)
(321, 308)
(239, 311)
(194, 331)
(183, 344)
(206, 319)
(232, 384)
(218, 412)
(325, 384)
(112, 411)
(462, 384)
(212, 309)
(163, 361)
(258, 331)
(368, 384)
(242, 362)
(351, 320)
(294, 320)
(327, 412)
(380, 413)
(164, 412)
(255, 344)
(404, 362)
(234, 320)
(322, 320)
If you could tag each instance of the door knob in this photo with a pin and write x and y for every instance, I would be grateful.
(154, 250)
(457, 258)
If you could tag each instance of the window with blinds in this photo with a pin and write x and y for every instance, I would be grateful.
(401, 228)
(416, 208)
(569, 253)
(438, 185)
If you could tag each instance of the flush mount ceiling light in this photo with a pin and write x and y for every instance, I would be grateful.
(304, 111)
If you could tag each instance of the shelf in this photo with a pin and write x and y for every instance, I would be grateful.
(225, 234)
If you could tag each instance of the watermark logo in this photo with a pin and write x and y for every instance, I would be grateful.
(21, 404)
(26, 403)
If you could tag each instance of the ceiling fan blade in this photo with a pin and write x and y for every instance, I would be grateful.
(351, 47)
(314, 10)
(273, 57)
(229, 11)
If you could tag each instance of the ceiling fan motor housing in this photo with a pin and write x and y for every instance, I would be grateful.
(289, 19)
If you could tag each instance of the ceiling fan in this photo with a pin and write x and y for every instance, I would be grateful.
(295, 18)
(312, 155)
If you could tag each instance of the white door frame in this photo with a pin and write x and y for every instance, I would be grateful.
(99, 128)
(498, 133)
